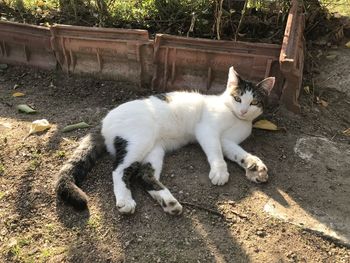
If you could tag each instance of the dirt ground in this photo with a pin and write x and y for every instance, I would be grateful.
(219, 224)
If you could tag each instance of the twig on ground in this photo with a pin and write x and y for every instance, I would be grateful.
(313, 135)
(213, 211)
(203, 208)
(331, 76)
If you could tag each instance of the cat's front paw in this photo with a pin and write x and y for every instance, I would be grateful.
(219, 175)
(256, 170)
(126, 206)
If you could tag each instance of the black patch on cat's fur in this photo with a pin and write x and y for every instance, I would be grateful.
(242, 161)
(71, 175)
(130, 173)
(163, 203)
(163, 97)
(172, 203)
(120, 150)
(252, 168)
(147, 179)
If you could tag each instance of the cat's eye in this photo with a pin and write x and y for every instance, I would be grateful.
(238, 99)
(254, 102)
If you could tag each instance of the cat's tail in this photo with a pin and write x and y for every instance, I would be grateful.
(90, 148)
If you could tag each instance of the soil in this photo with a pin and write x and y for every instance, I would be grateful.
(219, 224)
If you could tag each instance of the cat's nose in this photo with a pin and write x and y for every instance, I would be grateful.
(244, 111)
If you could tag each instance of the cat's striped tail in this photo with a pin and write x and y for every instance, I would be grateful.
(90, 148)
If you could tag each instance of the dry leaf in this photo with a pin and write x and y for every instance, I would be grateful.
(331, 57)
(5, 125)
(18, 94)
(265, 125)
(25, 108)
(39, 126)
(348, 44)
(324, 103)
(3, 66)
(307, 89)
(337, 15)
(347, 132)
(80, 125)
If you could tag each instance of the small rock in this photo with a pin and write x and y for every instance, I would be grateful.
(291, 255)
(261, 233)
(229, 216)
(127, 243)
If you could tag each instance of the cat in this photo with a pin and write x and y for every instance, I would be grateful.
(139, 132)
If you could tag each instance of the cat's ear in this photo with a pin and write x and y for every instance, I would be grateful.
(233, 78)
(267, 84)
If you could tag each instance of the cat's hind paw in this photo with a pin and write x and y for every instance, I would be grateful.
(172, 207)
(126, 206)
(219, 175)
(256, 170)
(168, 202)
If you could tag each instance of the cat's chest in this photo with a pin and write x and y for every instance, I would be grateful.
(238, 131)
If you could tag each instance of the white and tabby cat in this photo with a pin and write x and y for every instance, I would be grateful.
(139, 132)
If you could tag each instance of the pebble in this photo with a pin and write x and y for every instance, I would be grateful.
(261, 233)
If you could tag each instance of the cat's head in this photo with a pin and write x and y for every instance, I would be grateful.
(246, 99)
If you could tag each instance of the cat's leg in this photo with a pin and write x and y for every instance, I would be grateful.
(211, 145)
(256, 170)
(127, 155)
(122, 191)
(149, 177)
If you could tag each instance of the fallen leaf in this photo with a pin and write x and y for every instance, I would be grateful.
(3, 66)
(337, 15)
(347, 132)
(80, 125)
(265, 125)
(307, 89)
(331, 57)
(348, 44)
(324, 103)
(321, 42)
(39, 126)
(18, 94)
(25, 108)
(5, 125)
